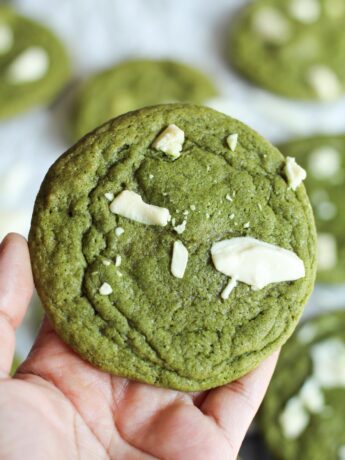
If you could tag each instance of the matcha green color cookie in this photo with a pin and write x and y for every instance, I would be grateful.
(15, 364)
(135, 84)
(324, 159)
(112, 272)
(33, 63)
(292, 47)
(302, 416)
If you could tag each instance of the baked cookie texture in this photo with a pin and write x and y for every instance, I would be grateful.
(134, 318)
(324, 159)
(135, 84)
(284, 46)
(302, 416)
(34, 65)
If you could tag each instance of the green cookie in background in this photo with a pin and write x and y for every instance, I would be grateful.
(34, 65)
(294, 48)
(135, 84)
(302, 417)
(108, 280)
(324, 159)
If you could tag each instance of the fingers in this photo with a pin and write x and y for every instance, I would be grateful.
(234, 406)
(16, 287)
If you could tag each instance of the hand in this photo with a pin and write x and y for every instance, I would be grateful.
(60, 407)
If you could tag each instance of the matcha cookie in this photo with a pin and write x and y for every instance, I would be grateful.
(33, 64)
(169, 246)
(302, 416)
(324, 159)
(284, 46)
(135, 84)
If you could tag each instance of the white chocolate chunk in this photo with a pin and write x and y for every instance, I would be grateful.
(294, 419)
(341, 452)
(181, 228)
(170, 141)
(329, 363)
(324, 82)
(192, 207)
(246, 225)
(118, 261)
(109, 196)
(326, 210)
(295, 174)
(31, 65)
(255, 262)
(228, 198)
(307, 333)
(312, 396)
(306, 11)
(105, 289)
(232, 141)
(271, 25)
(229, 288)
(324, 162)
(130, 205)
(106, 262)
(6, 38)
(179, 259)
(119, 231)
(327, 251)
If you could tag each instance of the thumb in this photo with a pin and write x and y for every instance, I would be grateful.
(16, 287)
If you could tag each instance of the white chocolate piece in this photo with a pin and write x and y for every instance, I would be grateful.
(306, 11)
(192, 207)
(179, 259)
(170, 141)
(130, 205)
(255, 262)
(232, 141)
(118, 261)
(180, 228)
(312, 396)
(329, 363)
(327, 251)
(106, 262)
(294, 419)
(324, 82)
(119, 231)
(271, 25)
(109, 196)
(229, 288)
(31, 65)
(105, 289)
(295, 174)
(324, 162)
(6, 38)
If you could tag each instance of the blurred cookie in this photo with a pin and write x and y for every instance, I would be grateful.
(294, 48)
(175, 246)
(33, 63)
(135, 84)
(302, 416)
(324, 159)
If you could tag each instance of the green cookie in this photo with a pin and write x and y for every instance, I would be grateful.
(302, 416)
(292, 47)
(135, 84)
(109, 279)
(33, 64)
(324, 159)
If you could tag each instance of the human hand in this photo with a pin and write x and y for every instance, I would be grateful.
(58, 406)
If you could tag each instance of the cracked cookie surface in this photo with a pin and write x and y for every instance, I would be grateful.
(154, 327)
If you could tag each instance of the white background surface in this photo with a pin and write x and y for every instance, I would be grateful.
(101, 32)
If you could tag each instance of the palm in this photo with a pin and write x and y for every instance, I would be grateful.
(59, 406)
